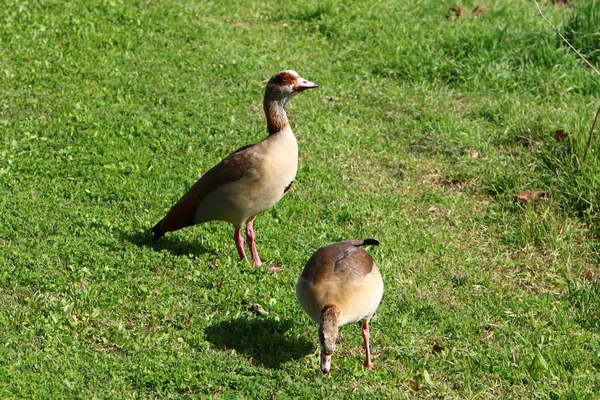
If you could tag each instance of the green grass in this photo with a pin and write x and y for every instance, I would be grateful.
(421, 135)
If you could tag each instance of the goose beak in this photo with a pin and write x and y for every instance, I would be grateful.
(325, 362)
(302, 84)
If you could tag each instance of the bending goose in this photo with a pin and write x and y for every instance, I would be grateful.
(340, 284)
(251, 179)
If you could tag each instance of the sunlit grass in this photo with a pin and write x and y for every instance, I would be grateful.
(423, 134)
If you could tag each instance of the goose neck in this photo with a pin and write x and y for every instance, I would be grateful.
(328, 329)
(277, 119)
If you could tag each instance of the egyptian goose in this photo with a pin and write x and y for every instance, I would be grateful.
(340, 284)
(251, 179)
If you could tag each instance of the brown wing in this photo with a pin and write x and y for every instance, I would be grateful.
(353, 264)
(230, 169)
(341, 260)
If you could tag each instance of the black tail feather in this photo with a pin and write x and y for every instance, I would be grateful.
(158, 231)
(368, 242)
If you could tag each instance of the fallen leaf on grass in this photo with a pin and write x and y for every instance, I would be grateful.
(275, 269)
(456, 11)
(530, 195)
(436, 348)
(590, 276)
(479, 10)
(560, 135)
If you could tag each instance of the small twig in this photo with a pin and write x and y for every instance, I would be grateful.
(591, 135)
(565, 40)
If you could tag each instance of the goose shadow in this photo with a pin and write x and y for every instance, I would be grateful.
(262, 339)
(174, 246)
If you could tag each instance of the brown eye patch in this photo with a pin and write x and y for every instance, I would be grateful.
(284, 79)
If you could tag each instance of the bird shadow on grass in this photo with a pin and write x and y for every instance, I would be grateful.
(174, 246)
(264, 340)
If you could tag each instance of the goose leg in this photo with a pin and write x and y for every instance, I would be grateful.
(366, 335)
(250, 235)
(239, 243)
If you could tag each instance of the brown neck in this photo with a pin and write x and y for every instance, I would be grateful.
(328, 329)
(277, 119)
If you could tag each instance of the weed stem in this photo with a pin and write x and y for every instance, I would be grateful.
(591, 135)
(565, 40)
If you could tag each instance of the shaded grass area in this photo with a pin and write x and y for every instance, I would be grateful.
(422, 134)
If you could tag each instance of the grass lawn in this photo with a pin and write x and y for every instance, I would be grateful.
(432, 132)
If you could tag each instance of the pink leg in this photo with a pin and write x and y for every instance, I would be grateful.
(251, 235)
(366, 336)
(239, 243)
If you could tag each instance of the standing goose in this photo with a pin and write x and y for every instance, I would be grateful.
(340, 284)
(251, 179)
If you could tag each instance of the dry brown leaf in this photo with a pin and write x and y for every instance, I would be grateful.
(560, 135)
(590, 276)
(436, 348)
(456, 11)
(530, 195)
(479, 10)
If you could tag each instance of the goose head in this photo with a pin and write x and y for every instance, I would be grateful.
(286, 84)
(280, 88)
